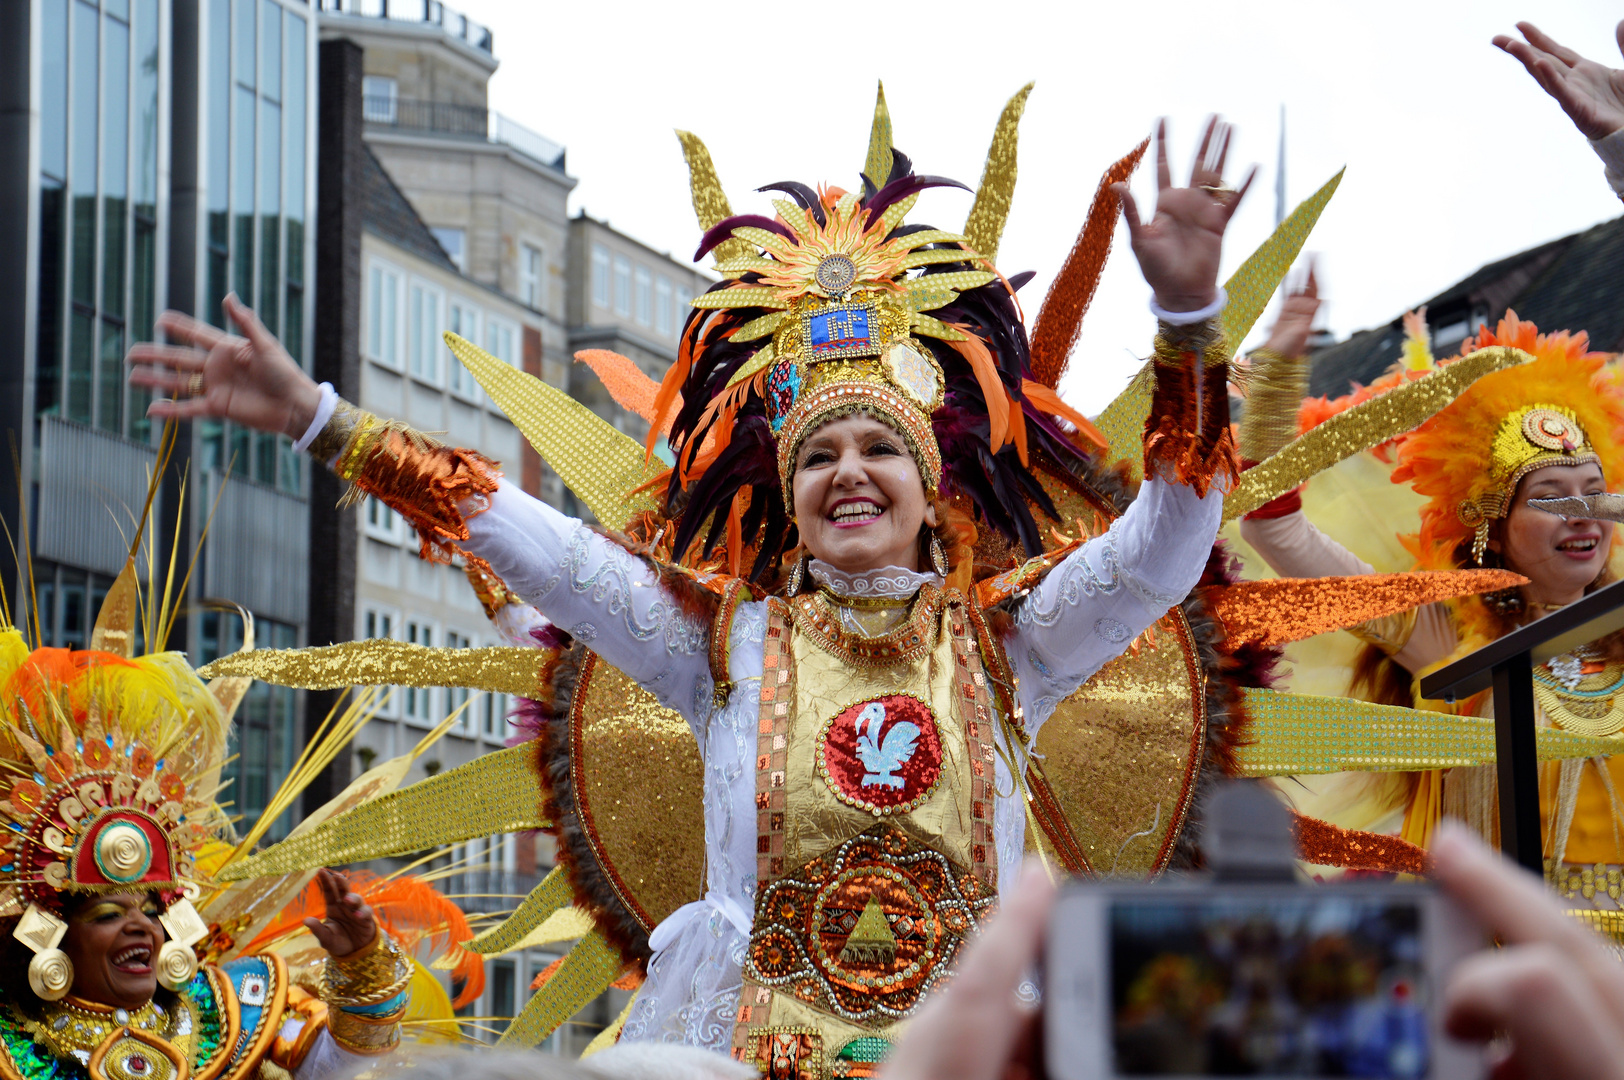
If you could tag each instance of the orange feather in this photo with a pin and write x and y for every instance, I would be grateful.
(1047, 400)
(974, 350)
(410, 910)
(627, 383)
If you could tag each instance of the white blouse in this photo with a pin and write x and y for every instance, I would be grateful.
(1080, 616)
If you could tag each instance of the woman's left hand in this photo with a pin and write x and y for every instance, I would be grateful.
(349, 925)
(1591, 94)
(1179, 247)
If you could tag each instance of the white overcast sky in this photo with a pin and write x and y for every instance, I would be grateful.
(1454, 156)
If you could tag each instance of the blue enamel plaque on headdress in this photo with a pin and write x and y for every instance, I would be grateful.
(838, 330)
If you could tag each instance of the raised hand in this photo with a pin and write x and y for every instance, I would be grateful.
(1590, 93)
(1179, 248)
(1289, 337)
(349, 925)
(249, 380)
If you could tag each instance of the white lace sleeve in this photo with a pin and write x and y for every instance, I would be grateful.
(600, 594)
(1086, 610)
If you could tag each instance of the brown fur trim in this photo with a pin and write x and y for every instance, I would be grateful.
(593, 892)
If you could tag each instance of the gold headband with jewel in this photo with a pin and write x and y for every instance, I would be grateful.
(836, 358)
(1528, 439)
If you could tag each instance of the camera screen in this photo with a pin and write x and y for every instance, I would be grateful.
(1254, 986)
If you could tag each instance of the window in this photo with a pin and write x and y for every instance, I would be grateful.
(382, 523)
(504, 1002)
(457, 696)
(662, 305)
(383, 314)
(378, 99)
(600, 276)
(462, 319)
(645, 296)
(419, 699)
(495, 709)
(530, 275)
(452, 241)
(623, 285)
(499, 340)
(377, 623)
(423, 342)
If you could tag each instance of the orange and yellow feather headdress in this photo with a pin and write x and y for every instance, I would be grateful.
(1564, 407)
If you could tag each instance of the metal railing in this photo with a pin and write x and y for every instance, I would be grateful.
(486, 890)
(411, 114)
(453, 22)
(468, 121)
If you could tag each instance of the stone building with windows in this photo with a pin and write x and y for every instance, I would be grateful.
(629, 298)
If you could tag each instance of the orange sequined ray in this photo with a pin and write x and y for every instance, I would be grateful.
(1324, 844)
(423, 480)
(631, 387)
(1282, 610)
(1061, 316)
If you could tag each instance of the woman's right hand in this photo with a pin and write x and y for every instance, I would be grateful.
(249, 380)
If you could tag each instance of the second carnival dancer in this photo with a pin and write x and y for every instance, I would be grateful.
(853, 722)
(110, 770)
(1489, 465)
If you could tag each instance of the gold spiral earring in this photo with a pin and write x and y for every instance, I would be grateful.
(50, 974)
(938, 557)
(177, 966)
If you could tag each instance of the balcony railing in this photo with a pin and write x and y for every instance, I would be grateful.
(467, 121)
(485, 891)
(454, 23)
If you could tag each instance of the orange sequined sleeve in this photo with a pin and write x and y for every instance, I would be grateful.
(427, 483)
(1188, 438)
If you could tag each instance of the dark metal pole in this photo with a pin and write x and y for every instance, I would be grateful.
(1517, 762)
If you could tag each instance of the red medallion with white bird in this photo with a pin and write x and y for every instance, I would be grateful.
(883, 755)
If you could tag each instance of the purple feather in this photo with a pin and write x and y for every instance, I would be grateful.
(723, 230)
(900, 189)
(803, 195)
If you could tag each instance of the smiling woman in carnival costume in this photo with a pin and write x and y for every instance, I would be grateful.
(849, 722)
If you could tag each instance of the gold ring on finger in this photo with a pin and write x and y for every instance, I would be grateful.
(194, 385)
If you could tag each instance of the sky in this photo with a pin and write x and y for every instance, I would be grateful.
(1454, 155)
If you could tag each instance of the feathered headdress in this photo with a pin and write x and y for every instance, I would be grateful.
(835, 306)
(1560, 408)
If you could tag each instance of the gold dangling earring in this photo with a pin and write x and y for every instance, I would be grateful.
(177, 962)
(938, 557)
(177, 965)
(795, 576)
(50, 972)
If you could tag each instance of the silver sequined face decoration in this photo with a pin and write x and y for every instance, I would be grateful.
(835, 274)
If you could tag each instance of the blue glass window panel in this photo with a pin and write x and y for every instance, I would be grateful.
(86, 66)
(247, 16)
(270, 49)
(53, 88)
(145, 99)
(293, 100)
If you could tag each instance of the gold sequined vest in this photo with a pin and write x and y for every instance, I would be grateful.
(874, 804)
